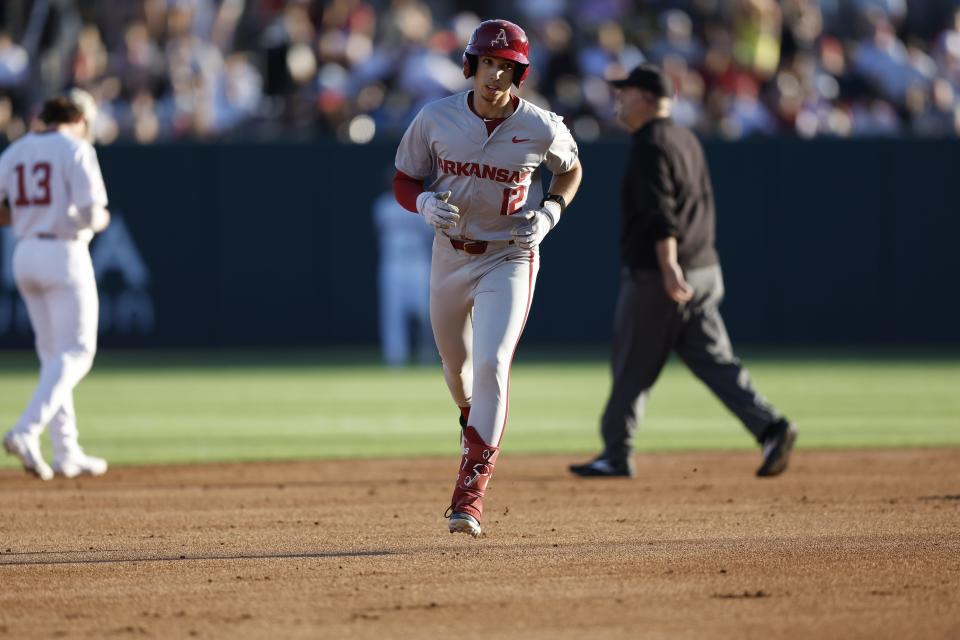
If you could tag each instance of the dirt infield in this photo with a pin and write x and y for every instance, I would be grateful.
(847, 544)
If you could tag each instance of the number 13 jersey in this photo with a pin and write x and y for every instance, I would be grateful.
(47, 178)
(491, 177)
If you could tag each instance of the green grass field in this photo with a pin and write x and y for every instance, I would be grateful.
(146, 407)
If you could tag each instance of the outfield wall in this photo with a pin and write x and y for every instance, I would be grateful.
(823, 242)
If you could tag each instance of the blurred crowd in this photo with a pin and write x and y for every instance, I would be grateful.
(267, 69)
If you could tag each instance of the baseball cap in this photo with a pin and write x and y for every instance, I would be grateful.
(647, 77)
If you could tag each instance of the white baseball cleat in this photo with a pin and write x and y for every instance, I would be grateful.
(27, 448)
(464, 523)
(80, 464)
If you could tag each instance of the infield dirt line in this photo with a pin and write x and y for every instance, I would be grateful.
(187, 558)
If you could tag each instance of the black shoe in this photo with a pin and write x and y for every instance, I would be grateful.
(777, 445)
(600, 467)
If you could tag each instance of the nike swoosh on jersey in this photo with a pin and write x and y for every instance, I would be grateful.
(516, 139)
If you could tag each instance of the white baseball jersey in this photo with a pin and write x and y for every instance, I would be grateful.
(491, 176)
(404, 239)
(47, 178)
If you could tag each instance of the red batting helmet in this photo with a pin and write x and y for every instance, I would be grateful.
(500, 39)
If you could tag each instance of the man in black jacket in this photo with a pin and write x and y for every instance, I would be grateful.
(671, 284)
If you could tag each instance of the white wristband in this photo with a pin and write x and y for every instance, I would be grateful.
(552, 210)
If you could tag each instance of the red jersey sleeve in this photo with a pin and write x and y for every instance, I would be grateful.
(406, 189)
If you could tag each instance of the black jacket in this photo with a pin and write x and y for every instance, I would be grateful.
(667, 192)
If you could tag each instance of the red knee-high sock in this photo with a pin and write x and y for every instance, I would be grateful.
(476, 469)
(464, 416)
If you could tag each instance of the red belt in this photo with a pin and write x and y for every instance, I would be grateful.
(473, 247)
(52, 236)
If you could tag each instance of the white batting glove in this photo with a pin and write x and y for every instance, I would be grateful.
(536, 224)
(436, 210)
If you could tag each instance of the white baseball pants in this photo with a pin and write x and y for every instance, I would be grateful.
(404, 304)
(478, 308)
(57, 283)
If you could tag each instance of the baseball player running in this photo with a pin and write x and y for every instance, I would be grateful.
(479, 153)
(57, 201)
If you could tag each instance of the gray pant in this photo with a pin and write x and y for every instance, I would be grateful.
(648, 326)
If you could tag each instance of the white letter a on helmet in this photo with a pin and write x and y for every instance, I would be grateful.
(500, 40)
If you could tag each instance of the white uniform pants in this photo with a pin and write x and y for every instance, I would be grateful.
(57, 283)
(478, 307)
(404, 305)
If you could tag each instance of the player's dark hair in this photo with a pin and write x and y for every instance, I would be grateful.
(60, 111)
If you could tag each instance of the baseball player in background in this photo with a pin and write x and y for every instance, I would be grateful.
(479, 153)
(403, 279)
(57, 201)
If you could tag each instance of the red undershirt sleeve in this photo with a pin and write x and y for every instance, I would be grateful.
(406, 189)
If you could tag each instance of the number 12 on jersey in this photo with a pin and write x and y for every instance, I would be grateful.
(513, 200)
